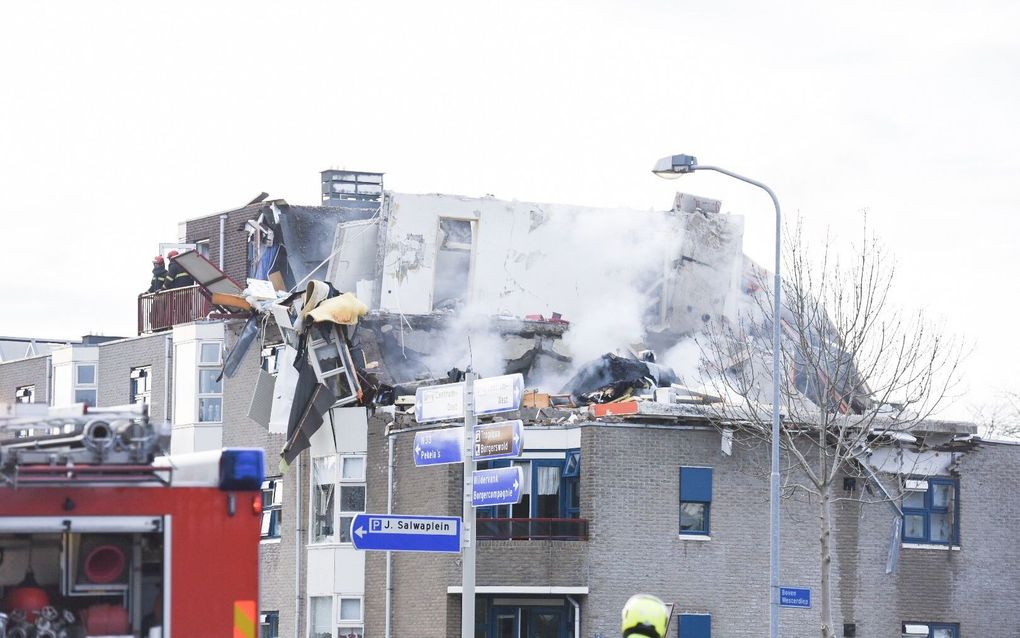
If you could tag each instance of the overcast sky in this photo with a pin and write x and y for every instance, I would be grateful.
(119, 119)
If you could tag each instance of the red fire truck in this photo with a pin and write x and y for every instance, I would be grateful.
(101, 535)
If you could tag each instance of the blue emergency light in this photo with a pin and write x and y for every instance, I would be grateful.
(242, 469)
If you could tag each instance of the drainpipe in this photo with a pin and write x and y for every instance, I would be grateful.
(577, 616)
(49, 380)
(297, 543)
(167, 357)
(223, 235)
(389, 510)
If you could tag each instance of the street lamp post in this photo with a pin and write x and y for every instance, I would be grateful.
(675, 166)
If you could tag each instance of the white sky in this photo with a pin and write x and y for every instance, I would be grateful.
(118, 119)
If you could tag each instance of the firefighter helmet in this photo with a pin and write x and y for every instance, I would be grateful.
(644, 615)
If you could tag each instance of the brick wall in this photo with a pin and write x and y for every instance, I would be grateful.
(117, 358)
(14, 374)
(277, 557)
(235, 241)
(630, 494)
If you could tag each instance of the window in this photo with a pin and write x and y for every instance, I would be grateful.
(572, 485)
(269, 624)
(85, 388)
(349, 616)
(332, 518)
(323, 495)
(202, 247)
(695, 500)
(931, 630)
(270, 359)
(930, 511)
(320, 617)
(141, 384)
(210, 386)
(24, 394)
(352, 493)
(550, 488)
(272, 507)
(695, 626)
(85, 374)
(453, 263)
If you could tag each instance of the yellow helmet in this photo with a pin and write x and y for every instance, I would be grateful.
(644, 615)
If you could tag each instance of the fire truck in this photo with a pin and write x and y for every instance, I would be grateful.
(102, 534)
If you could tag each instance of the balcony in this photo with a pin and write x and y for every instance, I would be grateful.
(159, 311)
(532, 529)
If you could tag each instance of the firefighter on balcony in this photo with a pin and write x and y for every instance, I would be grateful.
(645, 616)
(158, 275)
(176, 277)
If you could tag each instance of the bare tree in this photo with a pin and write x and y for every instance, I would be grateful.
(859, 372)
(1000, 419)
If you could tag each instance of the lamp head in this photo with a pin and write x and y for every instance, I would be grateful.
(675, 165)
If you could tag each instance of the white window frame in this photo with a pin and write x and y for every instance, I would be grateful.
(94, 386)
(276, 484)
(140, 372)
(356, 624)
(23, 392)
(312, 513)
(348, 482)
(310, 625)
(208, 366)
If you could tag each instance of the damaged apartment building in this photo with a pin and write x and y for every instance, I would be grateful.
(310, 328)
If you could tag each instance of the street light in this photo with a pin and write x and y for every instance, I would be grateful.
(672, 167)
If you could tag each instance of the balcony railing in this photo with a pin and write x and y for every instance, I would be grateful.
(532, 529)
(160, 311)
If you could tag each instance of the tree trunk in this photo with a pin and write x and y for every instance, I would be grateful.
(824, 538)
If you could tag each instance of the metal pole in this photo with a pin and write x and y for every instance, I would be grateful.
(389, 555)
(467, 607)
(776, 354)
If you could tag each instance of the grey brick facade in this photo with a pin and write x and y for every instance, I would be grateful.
(34, 371)
(118, 358)
(630, 495)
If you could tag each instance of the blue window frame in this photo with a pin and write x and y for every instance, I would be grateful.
(695, 500)
(932, 514)
(552, 488)
(694, 626)
(931, 630)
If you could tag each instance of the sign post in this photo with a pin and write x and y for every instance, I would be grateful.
(438, 447)
(467, 607)
(501, 486)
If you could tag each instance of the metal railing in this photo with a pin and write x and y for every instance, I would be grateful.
(163, 310)
(532, 529)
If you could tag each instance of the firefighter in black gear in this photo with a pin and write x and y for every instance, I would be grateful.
(158, 275)
(176, 277)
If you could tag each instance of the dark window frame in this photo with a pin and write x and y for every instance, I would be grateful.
(930, 508)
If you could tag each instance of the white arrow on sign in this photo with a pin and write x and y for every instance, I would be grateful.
(360, 532)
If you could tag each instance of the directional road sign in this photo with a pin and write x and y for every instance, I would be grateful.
(492, 395)
(498, 440)
(501, 486)
(438, 447)
(397, 533)
(799, 597)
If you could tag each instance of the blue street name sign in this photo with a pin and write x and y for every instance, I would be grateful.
(501, 486)
(798, 597)
(498, 440)
(438, 447)
(396, 533)
(492, 396)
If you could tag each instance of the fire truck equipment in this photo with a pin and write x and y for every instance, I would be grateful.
(90, 508)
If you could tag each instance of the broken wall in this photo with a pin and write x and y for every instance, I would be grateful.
(603, 269)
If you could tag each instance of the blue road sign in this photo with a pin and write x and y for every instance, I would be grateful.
(498, 440)
(501, 486)
(396, 533)
(438, 447)
(797, 597)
